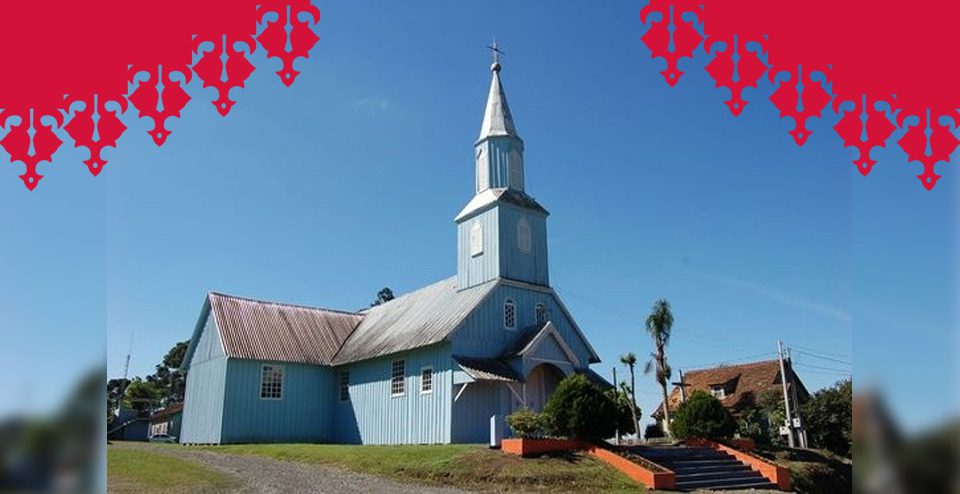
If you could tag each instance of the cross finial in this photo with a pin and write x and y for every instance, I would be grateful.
(496, 52)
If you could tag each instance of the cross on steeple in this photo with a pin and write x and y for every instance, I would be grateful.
(496, 52)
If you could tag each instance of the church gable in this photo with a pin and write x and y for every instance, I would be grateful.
(487, 332)
(205, 344)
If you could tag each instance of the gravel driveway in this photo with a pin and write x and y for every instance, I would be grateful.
(260, 475)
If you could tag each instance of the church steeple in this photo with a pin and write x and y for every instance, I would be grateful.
(499, 149)
(502, 231)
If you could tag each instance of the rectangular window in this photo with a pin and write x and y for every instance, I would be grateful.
(344, 385)
(426, 380)
(271, 382)
(397, 373)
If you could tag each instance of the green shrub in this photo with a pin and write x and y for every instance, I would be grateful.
(581, 410)
(527, 424)
(702, 416)
(653, 431)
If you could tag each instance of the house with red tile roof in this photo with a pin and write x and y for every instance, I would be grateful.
(738, 387)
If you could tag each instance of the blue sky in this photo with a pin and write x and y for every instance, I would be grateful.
(348, 181)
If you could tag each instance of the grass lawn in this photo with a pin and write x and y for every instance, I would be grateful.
(813, 471)
(473, 467)
(141, 472)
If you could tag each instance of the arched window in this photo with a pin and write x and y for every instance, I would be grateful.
(524, 240)
(515, 166)
(541, 313)
(509, 314)
(476, 239)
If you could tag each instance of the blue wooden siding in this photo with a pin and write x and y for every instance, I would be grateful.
(482, 334)
(473, 270)
(515, 264)
(472, 411)
(373, 416)
(302, 414)
(203, 400)
(499, 152)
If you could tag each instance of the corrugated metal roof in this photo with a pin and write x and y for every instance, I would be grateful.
(526, 336)
(486, 369)
(414, 320)
(260, 330)
(490, 196)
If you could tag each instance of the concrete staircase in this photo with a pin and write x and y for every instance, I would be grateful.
(704, 468)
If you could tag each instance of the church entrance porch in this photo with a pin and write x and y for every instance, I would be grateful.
(540, 385)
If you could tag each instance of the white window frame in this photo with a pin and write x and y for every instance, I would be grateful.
(540, 308)
(424, 370)
(476, 239)
(263, 369)
(524, 236)
(718, 391)
(344, 373)
(513, 305)
(402, 378)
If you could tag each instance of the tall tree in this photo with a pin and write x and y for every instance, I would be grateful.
(659, 325)
(630, 360)
(383, 296)
(169, 380)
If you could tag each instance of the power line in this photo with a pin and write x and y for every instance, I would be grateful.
(821, 352)
(823, 357)
(723, 362)
(798, 364)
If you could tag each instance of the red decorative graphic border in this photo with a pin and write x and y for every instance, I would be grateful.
(89, 62)
(883, 68)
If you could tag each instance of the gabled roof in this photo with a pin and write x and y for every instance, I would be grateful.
(414, 320)
(532, 337)
(261, 330)
(742, 384)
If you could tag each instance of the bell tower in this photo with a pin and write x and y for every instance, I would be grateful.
(502, 231)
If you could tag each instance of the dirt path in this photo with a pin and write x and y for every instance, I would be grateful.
(260, 475)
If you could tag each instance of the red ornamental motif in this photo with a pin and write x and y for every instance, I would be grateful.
(671, 37)
(30, 132)
(879, 84)
(224, 76)
(800, 98)
(864, 127)
(115, 59)
(735, 68)
(286, 31)
(96, 127)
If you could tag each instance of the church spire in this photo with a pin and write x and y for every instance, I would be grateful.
(497, 120)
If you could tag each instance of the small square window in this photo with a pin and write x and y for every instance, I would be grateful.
(426, 380)
(271, 382)
(397, 374)
(344, 385)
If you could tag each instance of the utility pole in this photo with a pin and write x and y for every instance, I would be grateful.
(801, 432)
(786, 395)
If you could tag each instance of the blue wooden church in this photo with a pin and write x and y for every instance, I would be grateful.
(431, 366)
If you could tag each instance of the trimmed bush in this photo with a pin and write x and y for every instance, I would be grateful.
(527, 424)
(653, 431)
(702, 416)
(581, 410)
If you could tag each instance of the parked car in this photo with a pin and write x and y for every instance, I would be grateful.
(162, 438)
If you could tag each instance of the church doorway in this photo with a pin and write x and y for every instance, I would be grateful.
(541, 382)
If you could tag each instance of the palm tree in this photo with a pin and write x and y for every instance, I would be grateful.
(659, 323)
(630, 360)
